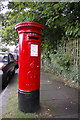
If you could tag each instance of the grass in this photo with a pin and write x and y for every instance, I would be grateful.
(11, 109)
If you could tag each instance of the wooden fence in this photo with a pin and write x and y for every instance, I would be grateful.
(73, 49)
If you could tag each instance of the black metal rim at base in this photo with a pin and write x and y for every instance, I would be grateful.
(29, 101)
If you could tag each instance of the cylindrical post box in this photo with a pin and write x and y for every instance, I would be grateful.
(29, 65)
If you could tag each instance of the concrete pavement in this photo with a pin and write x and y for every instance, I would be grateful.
(62, 101)
(6, 93)
(58, 100)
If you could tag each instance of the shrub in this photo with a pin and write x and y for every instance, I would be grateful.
(62, 64)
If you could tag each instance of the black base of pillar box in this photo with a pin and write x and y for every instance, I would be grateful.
(28, 101)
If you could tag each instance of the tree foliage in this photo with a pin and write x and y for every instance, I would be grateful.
(61, 20)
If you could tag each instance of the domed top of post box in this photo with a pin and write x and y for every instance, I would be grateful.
(29, 27)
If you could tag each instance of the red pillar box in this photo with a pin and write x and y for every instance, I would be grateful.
(29, 65)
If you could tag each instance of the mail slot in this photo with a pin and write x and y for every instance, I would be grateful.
(31, 37)
(29, 65)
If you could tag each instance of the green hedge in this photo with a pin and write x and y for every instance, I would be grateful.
(61, 63)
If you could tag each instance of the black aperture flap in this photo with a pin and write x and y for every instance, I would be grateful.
(32, 37)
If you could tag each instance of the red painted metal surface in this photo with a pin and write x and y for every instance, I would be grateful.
(29, 55)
